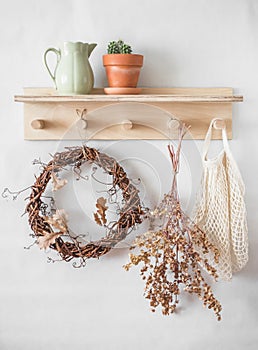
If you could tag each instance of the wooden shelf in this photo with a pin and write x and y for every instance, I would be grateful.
(147, 95)
(49, 116)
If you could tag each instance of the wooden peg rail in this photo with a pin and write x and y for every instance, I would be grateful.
(149, 115)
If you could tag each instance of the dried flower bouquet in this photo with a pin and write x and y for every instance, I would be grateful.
(174, 252)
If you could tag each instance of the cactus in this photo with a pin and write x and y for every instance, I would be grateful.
(116, 47)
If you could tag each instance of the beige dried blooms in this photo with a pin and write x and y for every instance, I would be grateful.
(44, 242)
(174, 252)
(58, 221)
(57, 182)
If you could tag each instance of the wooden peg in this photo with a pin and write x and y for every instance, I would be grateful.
(219, 124)
(127, 124)
(82, 115)
(37, 124)
(83, 124)
(172, 123)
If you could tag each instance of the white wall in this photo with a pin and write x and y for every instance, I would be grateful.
(186, 43)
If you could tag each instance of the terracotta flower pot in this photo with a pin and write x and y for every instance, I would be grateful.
(122, 70)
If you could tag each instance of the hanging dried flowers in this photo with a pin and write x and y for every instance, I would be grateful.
(174, 251)
(50, 225)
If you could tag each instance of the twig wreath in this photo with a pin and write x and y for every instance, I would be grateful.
(52, 231)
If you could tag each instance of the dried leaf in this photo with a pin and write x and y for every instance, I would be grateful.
(45, 241)
(97, 219)
(100, 215)
(57, 182)
(59, 220)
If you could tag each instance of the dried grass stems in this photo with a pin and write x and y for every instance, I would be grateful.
(174, 251)
(53, 231)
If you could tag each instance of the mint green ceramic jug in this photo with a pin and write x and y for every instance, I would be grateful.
(73, 74)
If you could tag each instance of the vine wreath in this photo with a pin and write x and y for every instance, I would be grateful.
(52, 231)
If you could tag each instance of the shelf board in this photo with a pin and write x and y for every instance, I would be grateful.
(212, 95)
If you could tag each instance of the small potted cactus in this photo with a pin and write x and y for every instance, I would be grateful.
(122, 68)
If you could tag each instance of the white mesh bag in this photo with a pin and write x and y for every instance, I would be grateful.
(220, 208)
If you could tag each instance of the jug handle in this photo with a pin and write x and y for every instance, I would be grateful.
(58, 56)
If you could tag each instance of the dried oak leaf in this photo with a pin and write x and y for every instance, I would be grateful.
(59, 220)
(100, 215)
(57, 182)
(45, 241)
(97, 219)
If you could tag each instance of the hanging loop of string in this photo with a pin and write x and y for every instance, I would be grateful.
(82, 125)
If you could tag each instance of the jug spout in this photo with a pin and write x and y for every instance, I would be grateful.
(91, 47)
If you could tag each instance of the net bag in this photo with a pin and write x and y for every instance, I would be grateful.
(220, 208)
